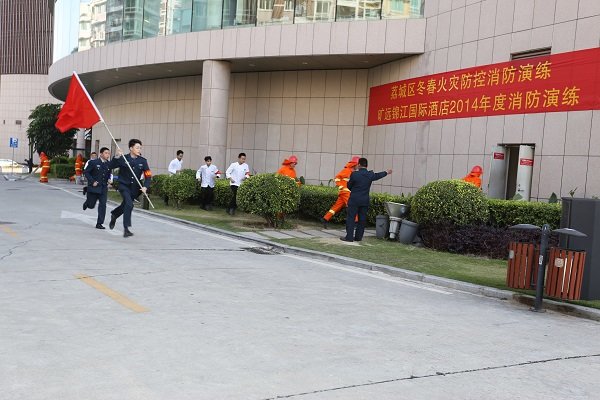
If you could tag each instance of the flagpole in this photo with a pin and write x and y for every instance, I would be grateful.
(111, 135)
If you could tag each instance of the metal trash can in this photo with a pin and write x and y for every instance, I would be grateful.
(382, 224)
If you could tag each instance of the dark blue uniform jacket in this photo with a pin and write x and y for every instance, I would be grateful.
(140, 171)
(360, 185)
(98, 171)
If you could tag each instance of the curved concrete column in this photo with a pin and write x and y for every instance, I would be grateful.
(214, 104)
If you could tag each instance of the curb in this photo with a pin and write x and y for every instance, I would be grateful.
(500, 294)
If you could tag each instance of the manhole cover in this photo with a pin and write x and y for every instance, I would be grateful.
(261, 250)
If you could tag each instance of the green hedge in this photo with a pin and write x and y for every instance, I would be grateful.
(316, 200)
(62, 171)
(505, 213)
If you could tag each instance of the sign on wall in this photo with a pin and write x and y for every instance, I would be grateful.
(562, 82)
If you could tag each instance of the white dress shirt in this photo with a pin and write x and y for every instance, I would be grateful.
(207, 175)
(238, 172)
(175, 166)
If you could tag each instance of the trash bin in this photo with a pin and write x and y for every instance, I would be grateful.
(584, 215)
(381, 226)
(565, 272)
(408, 231)
(522, 265)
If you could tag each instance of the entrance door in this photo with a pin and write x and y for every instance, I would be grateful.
(497, 182)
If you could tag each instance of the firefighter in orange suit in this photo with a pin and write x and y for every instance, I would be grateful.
(45, 163)
(341, 181)
(288, 168)
(79, 169)
(474, 177)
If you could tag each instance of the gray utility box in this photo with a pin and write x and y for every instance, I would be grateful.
(584, 215)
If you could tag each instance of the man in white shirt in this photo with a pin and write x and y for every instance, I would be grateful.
(206, 174)
(175, 165)
(236, 173)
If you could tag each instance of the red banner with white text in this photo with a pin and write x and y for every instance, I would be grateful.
(562, 82)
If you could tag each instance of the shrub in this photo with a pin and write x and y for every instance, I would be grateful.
(61, 160)
(449, 202)
(269, 195)
(222, 193)
(505, 213)
(316, 200)
(481, 240)
(192, 174)
(179, 188)
(157, 184)
(62, 171)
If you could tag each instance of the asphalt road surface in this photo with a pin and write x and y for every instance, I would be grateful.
(178, 313)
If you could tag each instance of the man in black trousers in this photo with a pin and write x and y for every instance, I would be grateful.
(97, 173)
(129, 188)
(360, 185)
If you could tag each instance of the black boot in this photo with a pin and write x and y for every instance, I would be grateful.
(127, 233)
(112, 222)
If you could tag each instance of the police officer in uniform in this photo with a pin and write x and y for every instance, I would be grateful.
(97, 174)
(128, 187)
(358, 203)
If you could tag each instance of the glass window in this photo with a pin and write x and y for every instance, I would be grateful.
(114, 21)
(358, 9)
(402, 8)
(239, 12)
(207, 14)
(179, 16)
(155, 12)
(133, 18)
(314, 11)
(275, 12)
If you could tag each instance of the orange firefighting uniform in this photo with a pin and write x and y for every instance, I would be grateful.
(341, 181)
(45, 162)
(473, 178)
(78, 168)
(287, 170)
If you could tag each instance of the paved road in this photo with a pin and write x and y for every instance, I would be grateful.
(176, 313)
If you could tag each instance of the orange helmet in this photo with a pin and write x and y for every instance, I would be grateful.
(477, 170)
(293, 159)
(355, 159)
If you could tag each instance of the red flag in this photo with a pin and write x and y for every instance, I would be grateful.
(79, 111)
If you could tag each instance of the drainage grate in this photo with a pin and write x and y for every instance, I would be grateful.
(6, 223)
(268, 251)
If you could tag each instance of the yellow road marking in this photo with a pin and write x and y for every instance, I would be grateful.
(118, 297)
(9, 231)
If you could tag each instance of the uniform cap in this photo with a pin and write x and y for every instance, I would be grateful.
(477, 170)
(355, 159)
(293, 159)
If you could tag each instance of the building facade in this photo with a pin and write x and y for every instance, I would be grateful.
(25, 56)
(272, 78)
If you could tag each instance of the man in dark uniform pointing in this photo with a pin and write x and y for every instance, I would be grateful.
(360, 185)
(97, 173)
(128, 187)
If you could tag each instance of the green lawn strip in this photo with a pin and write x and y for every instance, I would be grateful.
(477, 270)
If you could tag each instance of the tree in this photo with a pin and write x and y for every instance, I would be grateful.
(44, 135)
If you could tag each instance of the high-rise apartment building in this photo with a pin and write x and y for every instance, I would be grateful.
(25, 56)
